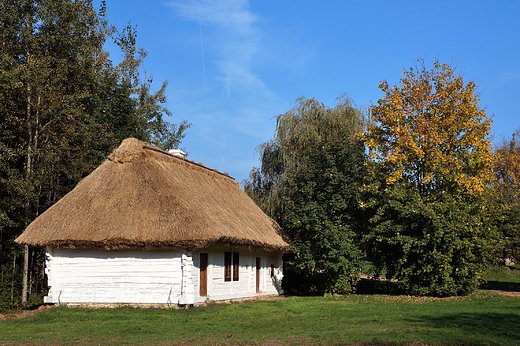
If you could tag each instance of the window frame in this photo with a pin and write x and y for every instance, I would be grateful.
(231, 266)
(227, 266)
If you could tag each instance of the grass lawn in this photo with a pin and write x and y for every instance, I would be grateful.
(503, 278)
(479, 319)
(372, 318)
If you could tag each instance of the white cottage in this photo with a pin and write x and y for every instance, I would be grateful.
(153, 228)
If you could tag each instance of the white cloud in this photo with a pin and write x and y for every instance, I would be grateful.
(233, 112)
(235, 41)
(230, 14)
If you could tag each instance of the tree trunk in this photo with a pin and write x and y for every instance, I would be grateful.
(31, 271)
(14, 275)
(25, 274)
(28, 173)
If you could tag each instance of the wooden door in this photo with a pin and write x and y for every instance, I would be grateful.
(258, 275)
(203, 274)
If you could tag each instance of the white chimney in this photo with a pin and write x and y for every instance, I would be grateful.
(177, 152)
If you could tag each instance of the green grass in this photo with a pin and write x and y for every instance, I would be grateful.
(478, 319)
(503, 278)
(376, 315)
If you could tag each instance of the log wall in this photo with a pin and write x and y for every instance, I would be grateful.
(155, 276)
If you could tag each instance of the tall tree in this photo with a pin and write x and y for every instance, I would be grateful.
(507, 185)
(64, 108)
(148, 113)
(431, 164)
(49, 58)
(309, 183)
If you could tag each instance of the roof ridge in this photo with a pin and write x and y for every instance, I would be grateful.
(149, 147)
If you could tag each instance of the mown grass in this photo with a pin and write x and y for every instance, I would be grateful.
(479, 319)
(504, 278)
(376, 315)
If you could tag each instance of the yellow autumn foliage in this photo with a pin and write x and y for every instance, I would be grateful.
(430, 131)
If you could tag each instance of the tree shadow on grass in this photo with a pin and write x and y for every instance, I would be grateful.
(506, 278)
(477, 328)
(373, 286)
(501, 285)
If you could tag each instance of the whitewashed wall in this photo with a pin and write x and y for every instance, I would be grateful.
(155, 277)
(101, 276)
(218, 289)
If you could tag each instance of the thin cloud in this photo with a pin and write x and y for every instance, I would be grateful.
(202, 53)
(231, 14)
(236, 40)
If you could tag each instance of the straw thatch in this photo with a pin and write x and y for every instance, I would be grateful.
(144, 197)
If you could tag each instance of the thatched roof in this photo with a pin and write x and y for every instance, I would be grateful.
(144, 197)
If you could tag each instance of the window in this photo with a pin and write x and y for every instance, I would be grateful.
(227, 266)
(236, 268)
(231, 269)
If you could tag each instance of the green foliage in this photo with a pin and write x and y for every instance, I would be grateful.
(147, 110)
(321, 215)
(507, 194)
(437, 247)
(309, 183)
(432, 225)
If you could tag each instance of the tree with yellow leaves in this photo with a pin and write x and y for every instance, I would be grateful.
(431, 164)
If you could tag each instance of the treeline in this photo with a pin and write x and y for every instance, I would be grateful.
(64, 106)
(411, 183)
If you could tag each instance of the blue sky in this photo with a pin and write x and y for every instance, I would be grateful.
(232, 66)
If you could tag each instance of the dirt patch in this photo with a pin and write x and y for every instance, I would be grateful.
(21, 314)
(247, 300)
